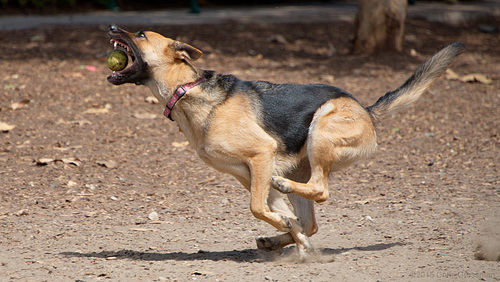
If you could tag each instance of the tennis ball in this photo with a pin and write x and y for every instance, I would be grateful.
(117, 60)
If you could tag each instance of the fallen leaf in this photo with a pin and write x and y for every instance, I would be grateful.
(180, 144)
(156, 222)
(108, 164)
(80, 122)
(73, 75)
(369, 218)
(473, 77)
(96, 111)
(144, 115)
(21, 212)
(464, 199)
(451, 75)
(151, 99)
(68, 148)
(208, 273)
(5, 127)
(143, 229)
(44, 161)
(277, 38)
(19, 104)
(476, 77)
(72, 161)
(208, 180)
(40, 37)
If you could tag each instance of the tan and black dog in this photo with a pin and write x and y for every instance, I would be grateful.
(273, 138)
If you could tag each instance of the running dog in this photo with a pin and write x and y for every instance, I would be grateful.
(273, 138)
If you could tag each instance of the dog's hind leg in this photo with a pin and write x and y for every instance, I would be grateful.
(341, 133)
(304, 211)
(303, 208)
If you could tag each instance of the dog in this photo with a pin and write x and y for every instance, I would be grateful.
(273, 138)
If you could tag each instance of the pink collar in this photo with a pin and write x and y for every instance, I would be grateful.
(179, 92)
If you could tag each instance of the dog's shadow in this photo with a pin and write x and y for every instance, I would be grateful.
(246, 255)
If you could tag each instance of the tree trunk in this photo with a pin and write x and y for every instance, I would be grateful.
(379, 26)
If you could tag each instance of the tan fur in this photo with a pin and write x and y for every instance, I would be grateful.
(227, 133)
(341, 133)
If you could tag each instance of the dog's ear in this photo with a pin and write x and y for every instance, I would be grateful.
(185, 51)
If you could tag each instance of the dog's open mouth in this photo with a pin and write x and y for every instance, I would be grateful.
(135, 72)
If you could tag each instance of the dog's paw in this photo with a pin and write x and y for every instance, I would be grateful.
(286, 224)
(281, 184)
(267, 244)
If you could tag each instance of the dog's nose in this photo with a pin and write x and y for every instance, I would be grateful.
(113, 28)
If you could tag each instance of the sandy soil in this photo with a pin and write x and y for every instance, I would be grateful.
(88, 163)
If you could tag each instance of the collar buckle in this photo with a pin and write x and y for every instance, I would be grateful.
(179, 92)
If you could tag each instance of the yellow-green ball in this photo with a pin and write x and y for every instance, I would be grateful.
(117, 60)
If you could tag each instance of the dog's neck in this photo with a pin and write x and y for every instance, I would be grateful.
(166, 81)
(193, 108)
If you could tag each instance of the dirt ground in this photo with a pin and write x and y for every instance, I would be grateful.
(88, 165)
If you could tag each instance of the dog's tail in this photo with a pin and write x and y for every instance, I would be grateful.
(411, 90)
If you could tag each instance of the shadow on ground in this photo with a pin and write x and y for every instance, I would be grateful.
(246, 255)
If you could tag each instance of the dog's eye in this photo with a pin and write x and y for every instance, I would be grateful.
(140, 34)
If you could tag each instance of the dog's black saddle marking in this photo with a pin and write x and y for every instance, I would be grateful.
(287, 109)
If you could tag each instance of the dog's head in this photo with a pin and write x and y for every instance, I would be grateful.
(150, 52)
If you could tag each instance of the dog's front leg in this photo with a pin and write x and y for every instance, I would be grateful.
(303, 220)
(277, 204)
(261, 168)
(297, 234)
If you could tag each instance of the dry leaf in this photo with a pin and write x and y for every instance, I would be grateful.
(143, 229)
(180, 144)
(473, 77)
(73, 75)
(40, 37)
(208, 274)
(156, 222)
(44, 161)
(19, 104)
(68, 148)
(72, 161)
(21, 212)
(108, 164)
(5, 127)
(96, 111)
(476, 77)
(144, 115)
(151, 99)
(80, 122)
(451, 75)
(208, 180)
